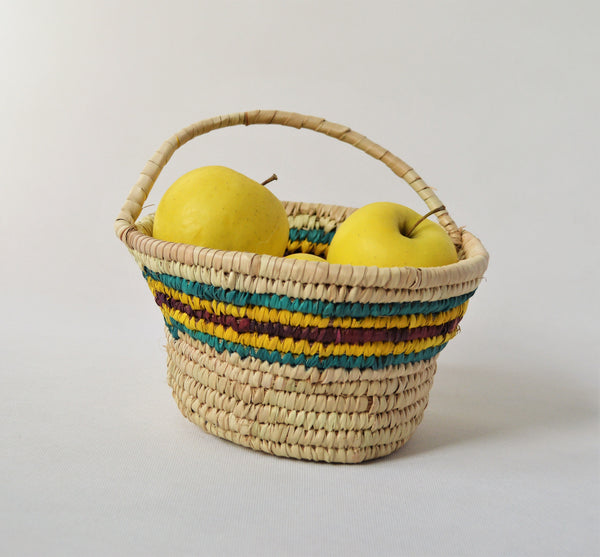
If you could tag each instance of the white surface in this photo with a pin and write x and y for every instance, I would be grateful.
(494, 104)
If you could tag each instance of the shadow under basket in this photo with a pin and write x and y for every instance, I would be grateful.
(297, 358)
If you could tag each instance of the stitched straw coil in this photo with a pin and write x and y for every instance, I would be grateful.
(300, 358)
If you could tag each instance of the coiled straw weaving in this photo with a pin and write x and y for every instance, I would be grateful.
(300, 358)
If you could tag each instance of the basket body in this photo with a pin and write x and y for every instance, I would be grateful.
(273, 355)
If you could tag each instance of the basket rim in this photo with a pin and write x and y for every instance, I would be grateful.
(262, 266)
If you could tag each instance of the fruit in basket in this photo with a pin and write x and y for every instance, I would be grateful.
(305, 256)
(217, 207)
(384, 234)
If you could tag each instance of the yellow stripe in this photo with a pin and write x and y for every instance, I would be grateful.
(305, 347)
(307, 247)
(298, 319)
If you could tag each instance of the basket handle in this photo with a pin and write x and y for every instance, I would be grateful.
(140, 191)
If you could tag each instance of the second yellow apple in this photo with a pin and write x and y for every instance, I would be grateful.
(381, 234)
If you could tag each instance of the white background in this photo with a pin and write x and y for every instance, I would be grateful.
(495, 104)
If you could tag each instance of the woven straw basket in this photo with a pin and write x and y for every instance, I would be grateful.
(300, 358)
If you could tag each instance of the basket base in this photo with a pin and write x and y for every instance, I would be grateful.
(294, 412)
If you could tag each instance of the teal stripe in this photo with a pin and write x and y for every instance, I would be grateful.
(315, 236)
(313, 307)
(274, 356)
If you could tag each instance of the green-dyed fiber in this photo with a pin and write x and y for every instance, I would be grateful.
(312, 307)
(315, 235)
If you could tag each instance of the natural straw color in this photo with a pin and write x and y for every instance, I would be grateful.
(300, 358)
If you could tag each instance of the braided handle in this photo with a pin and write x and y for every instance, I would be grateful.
(140, 191)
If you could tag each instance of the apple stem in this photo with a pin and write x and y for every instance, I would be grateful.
(432, 212)
(270, 179)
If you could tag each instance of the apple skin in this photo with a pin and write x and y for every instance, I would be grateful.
(217, 207)
(375, 235)
(305, 256)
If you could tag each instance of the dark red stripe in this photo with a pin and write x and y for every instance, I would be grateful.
(326, 335)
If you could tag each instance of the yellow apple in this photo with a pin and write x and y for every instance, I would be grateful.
(376, 235)
(306, 256)
(217, 207)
